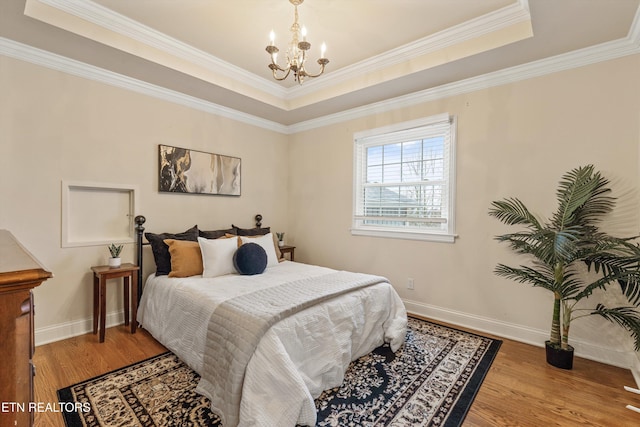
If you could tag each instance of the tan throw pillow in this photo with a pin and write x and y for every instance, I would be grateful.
(186, 258)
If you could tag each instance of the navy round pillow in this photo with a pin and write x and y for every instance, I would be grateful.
(250, 258)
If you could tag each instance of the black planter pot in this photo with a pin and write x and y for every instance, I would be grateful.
(558, 357)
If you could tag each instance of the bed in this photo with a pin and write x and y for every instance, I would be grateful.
(265, 345)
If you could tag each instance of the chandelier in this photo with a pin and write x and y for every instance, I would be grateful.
(296, 53)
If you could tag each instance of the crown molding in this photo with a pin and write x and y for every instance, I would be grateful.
(579, 58)
(634, 30)
(469, 30)
(106, 18)
(16, 50)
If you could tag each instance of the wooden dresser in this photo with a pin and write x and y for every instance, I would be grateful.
(20, 272)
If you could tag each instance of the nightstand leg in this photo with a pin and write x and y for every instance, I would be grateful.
(134, 302)
(126, 300)
(96, 304)
(103, 305)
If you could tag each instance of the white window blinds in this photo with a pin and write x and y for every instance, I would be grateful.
(403, 179)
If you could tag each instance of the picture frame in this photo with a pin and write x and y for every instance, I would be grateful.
(183, 170)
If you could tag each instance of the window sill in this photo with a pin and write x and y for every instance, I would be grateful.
(406, 235)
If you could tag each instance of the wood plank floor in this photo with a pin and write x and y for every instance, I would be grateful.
(519, 390)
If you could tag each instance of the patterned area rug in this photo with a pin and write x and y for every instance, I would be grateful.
(431, 381)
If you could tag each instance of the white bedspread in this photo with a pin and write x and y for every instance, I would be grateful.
(298, 358)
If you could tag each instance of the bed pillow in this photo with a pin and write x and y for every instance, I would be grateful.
(276, 246)
(250, 259)
(267, 244)
(250, 231)
(161, 250)
(217, 256)
(216, 234)
(186, 258)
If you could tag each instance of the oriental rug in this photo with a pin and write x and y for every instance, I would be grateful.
(431, 381)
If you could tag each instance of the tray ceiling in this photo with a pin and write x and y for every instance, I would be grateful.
(213, 50)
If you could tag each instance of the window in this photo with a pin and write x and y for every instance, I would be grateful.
(404, 180)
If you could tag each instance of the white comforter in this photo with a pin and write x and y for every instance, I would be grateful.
(298, 358)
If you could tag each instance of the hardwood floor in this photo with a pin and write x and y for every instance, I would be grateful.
(519, 390)
(70, 361)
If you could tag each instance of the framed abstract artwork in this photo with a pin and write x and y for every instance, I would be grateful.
(182, 170)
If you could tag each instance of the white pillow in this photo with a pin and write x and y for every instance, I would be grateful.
(217, 256)
(267, 244)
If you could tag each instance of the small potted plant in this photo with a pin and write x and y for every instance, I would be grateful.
(115, 261)
(280, 236)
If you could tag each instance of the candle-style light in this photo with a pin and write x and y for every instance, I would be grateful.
(296, 53)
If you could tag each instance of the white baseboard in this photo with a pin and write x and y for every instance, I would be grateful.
(536, 337)
(74, 328)
(635, 371)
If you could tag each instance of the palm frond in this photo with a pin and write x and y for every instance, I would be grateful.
(571, 285)
(627, 317)
(598, 205)
(522, 242)
(512, 211)
(526, 274)
(547, 245)
(618, 268)
(631, 288)
(566, 244)
(581, 197)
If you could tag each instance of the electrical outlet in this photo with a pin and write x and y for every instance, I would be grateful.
(410, 283)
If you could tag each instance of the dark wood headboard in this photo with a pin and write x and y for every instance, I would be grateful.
(140, 220)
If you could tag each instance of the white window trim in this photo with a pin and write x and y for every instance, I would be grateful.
(388, 232)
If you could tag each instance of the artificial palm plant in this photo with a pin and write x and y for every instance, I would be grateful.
(563, 246)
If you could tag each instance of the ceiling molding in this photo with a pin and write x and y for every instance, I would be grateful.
(494, 21)
(603, 52)
(13, 49)
(634, 31)
(579, 58)
(106, 18)
(112, 21)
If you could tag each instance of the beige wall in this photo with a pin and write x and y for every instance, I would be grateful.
(54, 127)
(513, 140)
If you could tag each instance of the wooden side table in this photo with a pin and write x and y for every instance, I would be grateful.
(286, 249)
(103, 273)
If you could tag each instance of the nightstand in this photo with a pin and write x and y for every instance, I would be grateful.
(286, 249)
(103, 273)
